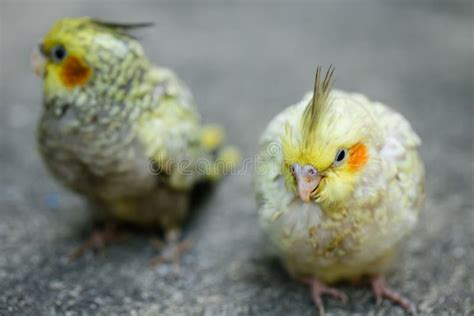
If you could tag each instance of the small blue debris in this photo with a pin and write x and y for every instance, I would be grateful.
(52, 200)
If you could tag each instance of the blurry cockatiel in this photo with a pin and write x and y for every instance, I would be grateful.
(339, 184)
(119, 130)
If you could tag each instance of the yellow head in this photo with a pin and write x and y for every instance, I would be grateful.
(329, 150)
(80, 52)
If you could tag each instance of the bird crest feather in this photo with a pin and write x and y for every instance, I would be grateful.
(317, 106)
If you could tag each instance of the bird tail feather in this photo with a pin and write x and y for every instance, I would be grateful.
(225, 158)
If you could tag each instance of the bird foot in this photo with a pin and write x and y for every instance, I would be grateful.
(381, 290)
(318, 289)
(171, 249)
(98, 240)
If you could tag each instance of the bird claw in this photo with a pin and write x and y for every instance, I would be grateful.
(381, 290)
(318, 289)
(171, 250)
(98, 240)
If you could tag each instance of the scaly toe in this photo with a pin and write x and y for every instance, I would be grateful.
(381, 290)
(318, 289)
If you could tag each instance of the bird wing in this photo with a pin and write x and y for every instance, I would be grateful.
(400, 152)
(170, 128)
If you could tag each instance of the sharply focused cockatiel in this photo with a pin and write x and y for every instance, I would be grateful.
(339, 185)
(120, 131)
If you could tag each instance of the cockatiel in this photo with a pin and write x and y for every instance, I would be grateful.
(339, 185)
(120, 131)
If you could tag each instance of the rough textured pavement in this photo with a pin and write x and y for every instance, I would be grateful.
(245, 62)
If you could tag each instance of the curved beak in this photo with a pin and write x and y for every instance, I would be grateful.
(38, 62)
(307, 179)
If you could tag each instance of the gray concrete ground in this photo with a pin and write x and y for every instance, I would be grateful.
(245, 61)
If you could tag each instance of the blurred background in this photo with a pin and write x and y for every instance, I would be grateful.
(245, 61)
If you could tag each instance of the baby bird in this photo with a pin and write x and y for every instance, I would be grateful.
(339, 185)
(120, 131)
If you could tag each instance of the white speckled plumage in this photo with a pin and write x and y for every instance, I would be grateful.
(355, 236)
(109, 115)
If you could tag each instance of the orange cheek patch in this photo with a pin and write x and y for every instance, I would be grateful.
(358, 157)
(74, 72)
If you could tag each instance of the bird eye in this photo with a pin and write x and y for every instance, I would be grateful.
(58, 53)
(292, 169)
(340, 156)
